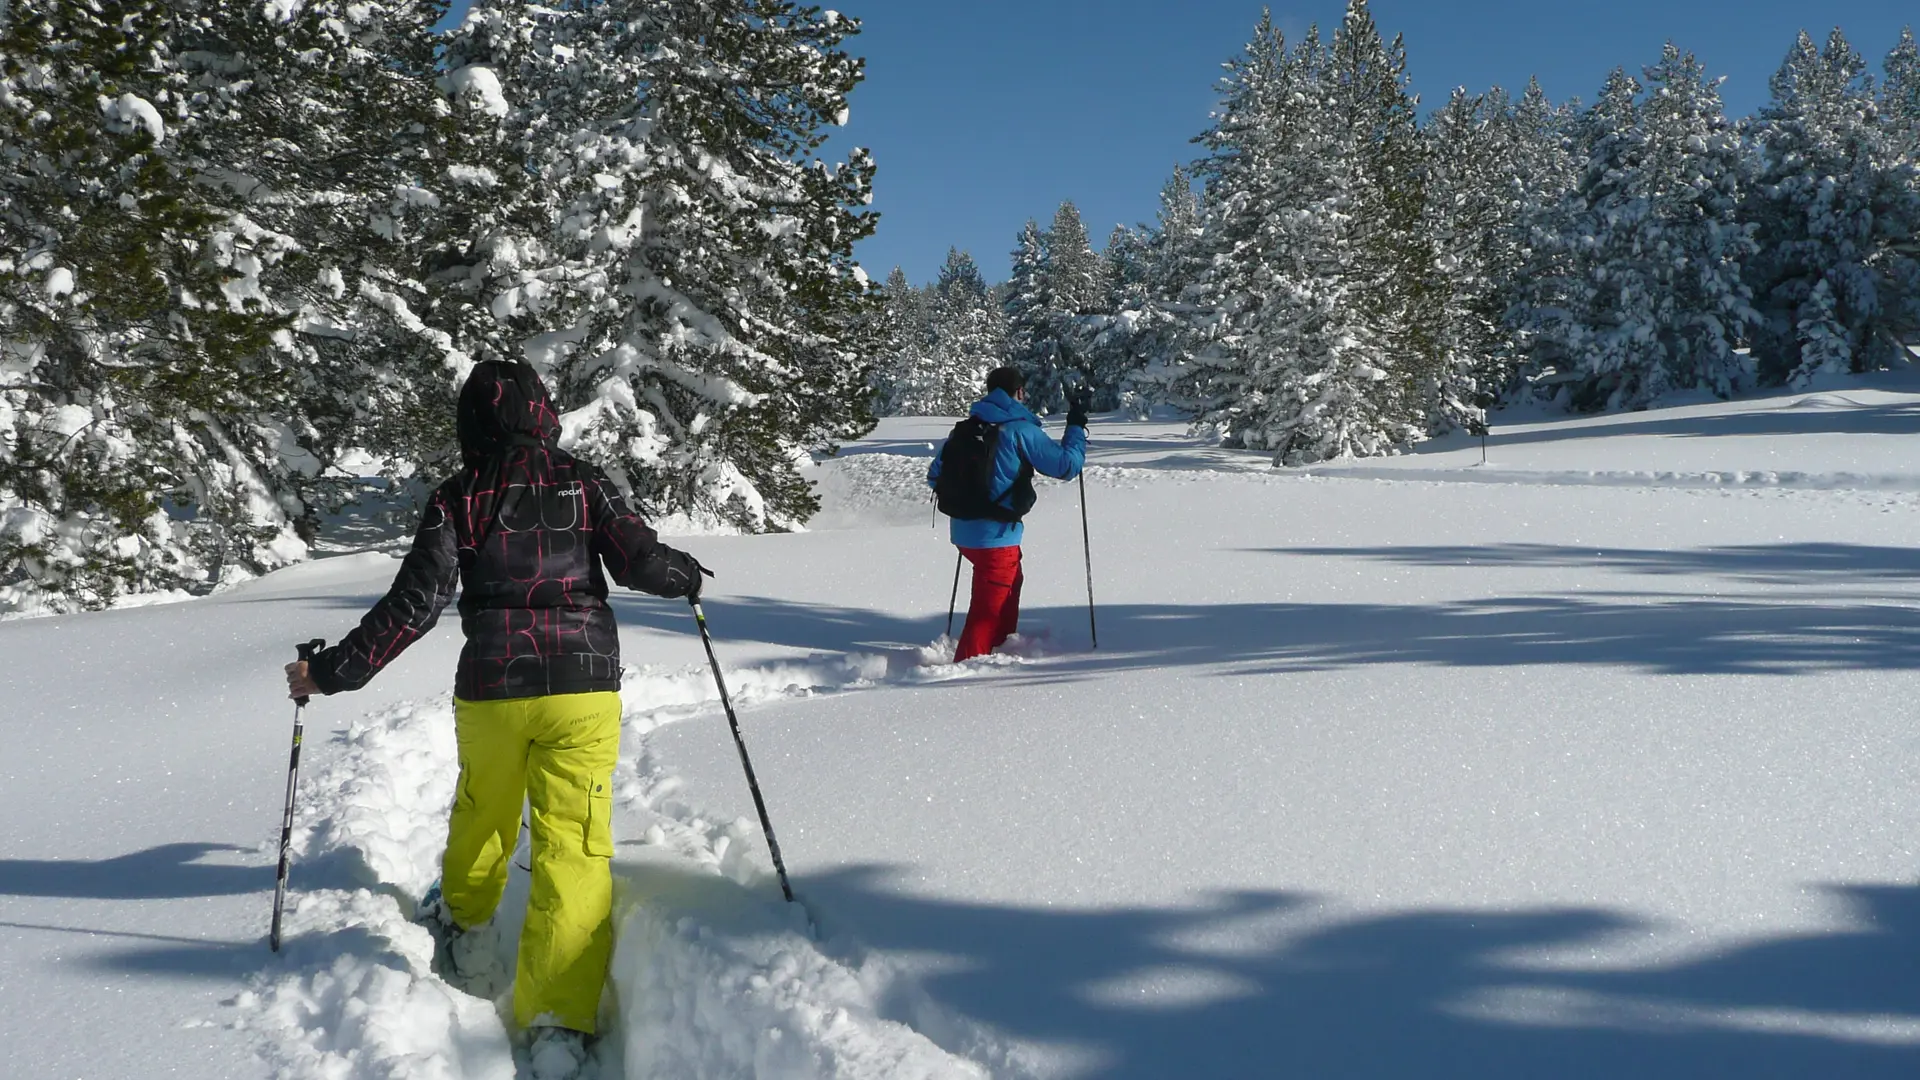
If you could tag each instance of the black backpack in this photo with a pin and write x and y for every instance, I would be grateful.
(965, 487)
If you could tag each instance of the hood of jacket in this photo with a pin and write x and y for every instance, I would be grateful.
(1000, 408)
(504, 404)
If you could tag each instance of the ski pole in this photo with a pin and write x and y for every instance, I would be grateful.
(766, 825)
(954, 600)
(306, 652)
(1086, 543)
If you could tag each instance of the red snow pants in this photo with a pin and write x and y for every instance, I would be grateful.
(993, 613)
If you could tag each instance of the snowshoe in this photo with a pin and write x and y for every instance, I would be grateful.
(557, 1053)
(465, 959)
(431, 912)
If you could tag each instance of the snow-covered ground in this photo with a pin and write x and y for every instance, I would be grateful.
(1596, 760)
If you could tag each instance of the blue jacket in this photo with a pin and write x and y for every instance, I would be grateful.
(1021, 440)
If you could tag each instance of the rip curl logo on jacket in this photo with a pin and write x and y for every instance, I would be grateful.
(572, 492)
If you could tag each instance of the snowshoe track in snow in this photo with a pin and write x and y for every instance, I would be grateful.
(713, 974)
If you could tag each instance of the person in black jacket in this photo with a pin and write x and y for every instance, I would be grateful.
(531, 536)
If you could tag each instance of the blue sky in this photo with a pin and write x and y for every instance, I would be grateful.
(983, 113)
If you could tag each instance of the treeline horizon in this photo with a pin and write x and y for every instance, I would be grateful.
(1340, 275)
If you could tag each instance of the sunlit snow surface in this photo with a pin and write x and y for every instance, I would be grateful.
(1598, 759)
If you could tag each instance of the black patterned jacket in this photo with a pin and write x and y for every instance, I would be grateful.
(531, 536)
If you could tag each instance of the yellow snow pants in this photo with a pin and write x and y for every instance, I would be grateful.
(557, 753)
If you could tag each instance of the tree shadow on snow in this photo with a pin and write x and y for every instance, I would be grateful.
(919, 448)
(156, 954)
(781, 622)
(1651, 632)
(1668, 633)
(1156, 992)
(166, 872)
(1767, 564)
(1806, 418)
(1663, 634)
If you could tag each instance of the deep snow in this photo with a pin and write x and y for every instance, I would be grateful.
(1593, 760)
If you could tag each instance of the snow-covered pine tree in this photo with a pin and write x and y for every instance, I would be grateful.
(1031, 346)
(1821, 341)
(1898, 230)
(1175, 257)
(1539, 135)
(1694, 164)
(1900, 96)
(1286, 359)
(140, 371)
(319, 124)
(1078, 278)
(1651, 297)
(1076, 290)
(1464, 217)
(969, 331)
(905, 333)
(1553, 298)
(1124, 268)
(1393, 276)
(1156, 317)
(1815, 196)
(682, 269)
(1262, 100)
(1538, 138)
(967, 338)
(1114, 339)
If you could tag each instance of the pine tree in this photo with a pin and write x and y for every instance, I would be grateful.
(1465, 218)
(1118, 339)
(1900, 97)
(1076, 292)
(1539, 139)
(1555, 295)
(140, 372)
(970, 335)
(1289, 352)
(960, 280)
(1146, 338)
(1029, 306)
(906, 333)
(1817, 191)
(1175, 256)
(1079, 285)
(681, 262)
(1124, 268)
(1393, 276)
(967, 338)
(1650, 297)
(1695, 165)
(1261, 103)
(1899, 225)
(319, 124)
(1284, 356)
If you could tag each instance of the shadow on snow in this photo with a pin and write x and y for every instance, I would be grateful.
(166, 872)
(1665, 633)
(1806, 418)
(1417, 993)
(1769, 564)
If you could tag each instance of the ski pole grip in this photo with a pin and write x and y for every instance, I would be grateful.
(306, 650)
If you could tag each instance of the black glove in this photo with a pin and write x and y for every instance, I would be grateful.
(1077, 412)
(687, 569)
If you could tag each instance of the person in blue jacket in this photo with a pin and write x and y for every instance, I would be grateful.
(993, 545)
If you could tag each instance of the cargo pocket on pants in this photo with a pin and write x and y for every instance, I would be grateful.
(600, 815)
